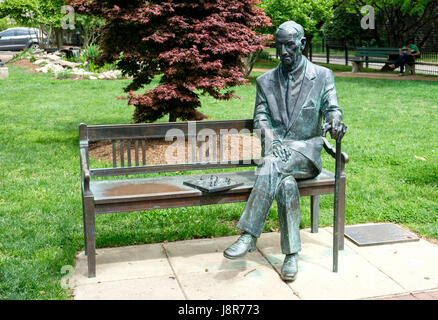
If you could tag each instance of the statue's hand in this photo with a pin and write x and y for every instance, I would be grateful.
(337, 129)
(282, 152)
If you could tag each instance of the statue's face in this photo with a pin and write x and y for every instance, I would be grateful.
(289, 47)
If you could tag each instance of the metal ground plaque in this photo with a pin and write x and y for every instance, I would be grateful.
(376, 234)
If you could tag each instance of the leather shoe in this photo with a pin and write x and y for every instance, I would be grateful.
(245, 243)
(290, 267)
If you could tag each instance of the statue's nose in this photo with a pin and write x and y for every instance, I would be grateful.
(283, 50)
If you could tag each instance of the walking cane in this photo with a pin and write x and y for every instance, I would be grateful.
(327, 127)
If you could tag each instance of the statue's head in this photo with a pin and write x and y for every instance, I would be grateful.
(290, 43)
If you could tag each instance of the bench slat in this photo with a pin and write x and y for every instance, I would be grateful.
(122, 153)
(199, 151)
(128, 150)
(136, 153)
(114, 154)
(159, 130)
(143, 151)
(197, 200)
(131, 190)
(105, 172)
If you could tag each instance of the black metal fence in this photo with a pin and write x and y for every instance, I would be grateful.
(339, 53)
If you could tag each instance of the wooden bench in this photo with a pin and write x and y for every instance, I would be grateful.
(382, 55)
(100, 196)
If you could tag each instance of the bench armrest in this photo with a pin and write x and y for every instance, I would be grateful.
(85, 171)
(332, 151)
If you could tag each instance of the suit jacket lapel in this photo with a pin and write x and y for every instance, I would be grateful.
(281, 103)
(306, 88)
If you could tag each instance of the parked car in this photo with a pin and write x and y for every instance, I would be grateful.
(16, 39)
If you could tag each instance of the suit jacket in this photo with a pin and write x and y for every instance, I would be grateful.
(299, 128)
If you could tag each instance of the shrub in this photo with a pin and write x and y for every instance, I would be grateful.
(3, 24)
(25, 54)
(197, 47)
(90, 54)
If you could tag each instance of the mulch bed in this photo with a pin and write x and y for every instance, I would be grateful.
(25, 63)
(159, 151)
(31, 68)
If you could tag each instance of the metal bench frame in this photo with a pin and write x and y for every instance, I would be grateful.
(363, 54)
(135, 134)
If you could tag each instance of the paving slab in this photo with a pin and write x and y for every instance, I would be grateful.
(422, 295)
(260, 283)
(124, 263)
(207, 254)
(196, 269)
(205, 274)
(355, 279)
(148, 288)
(414, 265)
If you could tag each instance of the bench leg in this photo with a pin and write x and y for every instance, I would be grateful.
(84, 221)
(90, 235)
(314, 213)
(411, 69)
(357, 66)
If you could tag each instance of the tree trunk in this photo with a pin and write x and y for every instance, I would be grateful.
(172, 117)
(59, 38)
(250, 61)
(306, 50)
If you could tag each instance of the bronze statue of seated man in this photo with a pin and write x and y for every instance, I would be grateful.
(292, 100)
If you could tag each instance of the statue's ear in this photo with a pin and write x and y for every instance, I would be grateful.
(303, 43)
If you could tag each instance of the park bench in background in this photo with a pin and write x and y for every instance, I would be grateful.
(129, 158)
(382, 55)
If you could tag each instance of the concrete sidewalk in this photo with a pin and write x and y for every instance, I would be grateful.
(196, 269)
(5, 56)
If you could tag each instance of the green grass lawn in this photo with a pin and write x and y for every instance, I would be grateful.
(392, 126)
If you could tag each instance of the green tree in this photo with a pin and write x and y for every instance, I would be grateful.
(89, 27)
(400, 21)
(197, 48)
(3, 24)
(43, 14)
(345, 27)
(311, 14)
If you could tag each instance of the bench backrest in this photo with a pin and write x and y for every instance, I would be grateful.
(205, 145)
(375, 52)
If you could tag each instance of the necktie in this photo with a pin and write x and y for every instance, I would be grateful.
(289, 95)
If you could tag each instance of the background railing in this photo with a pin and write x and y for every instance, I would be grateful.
(339, 53)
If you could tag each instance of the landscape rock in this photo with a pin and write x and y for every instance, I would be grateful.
(55, 64)
(51, 67)
(40, 61)
(4, 73)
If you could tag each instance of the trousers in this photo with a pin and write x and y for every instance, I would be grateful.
(402, 60)
(276, 179)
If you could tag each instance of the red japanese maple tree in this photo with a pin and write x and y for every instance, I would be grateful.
(196, 46)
